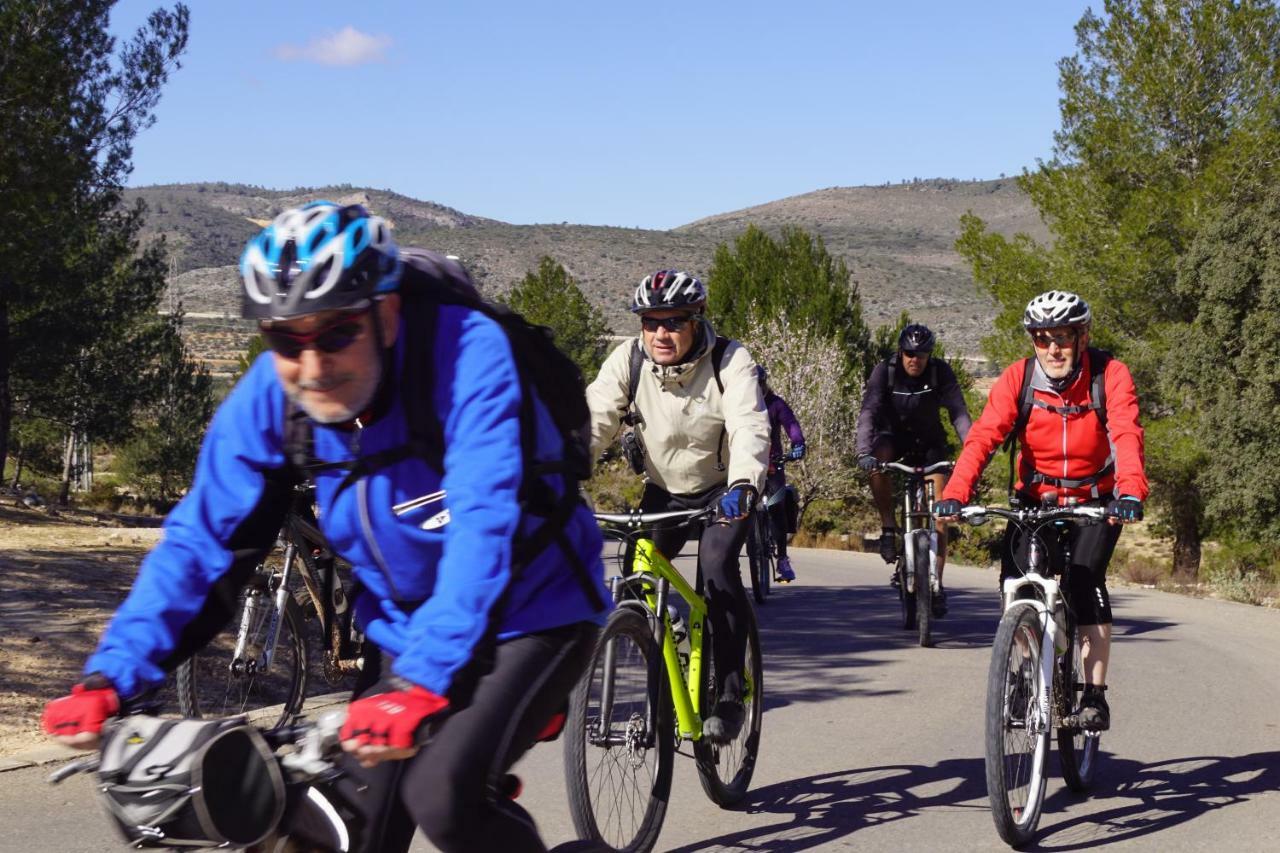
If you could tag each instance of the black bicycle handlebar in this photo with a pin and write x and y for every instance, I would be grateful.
(1032, 515)
(922, 471)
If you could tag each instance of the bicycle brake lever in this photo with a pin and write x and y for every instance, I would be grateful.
(87, 764)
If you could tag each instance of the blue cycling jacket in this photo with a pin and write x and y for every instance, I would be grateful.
(434, 576)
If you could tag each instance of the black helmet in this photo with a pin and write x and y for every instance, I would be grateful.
(916, 338)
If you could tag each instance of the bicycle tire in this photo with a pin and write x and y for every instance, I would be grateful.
(207, 688)
(619, 780)
(906, 598)
(755, 559)
(1078, 751)
(769, 554)
(726, 770)
(924, 591)
(1017, 739)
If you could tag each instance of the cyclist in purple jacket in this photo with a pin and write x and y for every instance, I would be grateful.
(780, 418)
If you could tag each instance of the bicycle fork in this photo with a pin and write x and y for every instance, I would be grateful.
(1049, 634)
(257, 607)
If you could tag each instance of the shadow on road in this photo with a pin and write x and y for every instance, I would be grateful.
(816, 638)
(830, 806)
(1141, 799)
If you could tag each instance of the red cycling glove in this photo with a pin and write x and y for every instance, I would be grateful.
(85, 710)
(391, 719)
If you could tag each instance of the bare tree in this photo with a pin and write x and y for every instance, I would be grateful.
(806, 371)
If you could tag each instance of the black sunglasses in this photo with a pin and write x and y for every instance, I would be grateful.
(1065, 340)
(335, 337)
(914, 353)
(671, 324)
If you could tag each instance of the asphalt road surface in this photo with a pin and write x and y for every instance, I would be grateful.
(872, 743)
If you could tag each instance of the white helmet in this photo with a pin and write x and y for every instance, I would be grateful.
(668, 289)
(1056, 308)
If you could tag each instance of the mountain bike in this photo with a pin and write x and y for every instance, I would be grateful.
(1036, 679)
(293, 609)
(917, 565)
(761, 546)
(652, 660)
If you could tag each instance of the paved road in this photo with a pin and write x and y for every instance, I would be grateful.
(873, 744)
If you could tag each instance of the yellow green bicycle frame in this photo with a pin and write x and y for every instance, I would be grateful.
(686, 687)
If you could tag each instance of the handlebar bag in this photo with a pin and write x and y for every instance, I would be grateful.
(189, 783)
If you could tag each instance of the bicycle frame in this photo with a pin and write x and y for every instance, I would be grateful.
(917, 499)
(328, 607)
(658, 577)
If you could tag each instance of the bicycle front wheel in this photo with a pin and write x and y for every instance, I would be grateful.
(726, 769)
(620, 739)
(757, 558)
(906, 598)
(924, 591)
(1017, 732)
(1077, 749)
(215, 683)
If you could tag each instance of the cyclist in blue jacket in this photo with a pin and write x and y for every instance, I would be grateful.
(484, 647)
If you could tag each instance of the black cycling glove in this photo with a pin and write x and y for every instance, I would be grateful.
(868, 463)
(1127, 508)
(947, 508)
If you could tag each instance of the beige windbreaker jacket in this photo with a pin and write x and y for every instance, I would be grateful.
(689, 429)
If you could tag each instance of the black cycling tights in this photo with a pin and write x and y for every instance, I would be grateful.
(448, 788)
(718, 552)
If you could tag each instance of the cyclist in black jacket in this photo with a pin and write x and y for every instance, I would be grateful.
(900, 420)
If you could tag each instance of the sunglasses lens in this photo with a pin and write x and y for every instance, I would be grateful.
(282, 343)
(332, 339)
(338, 338)
(671, 324)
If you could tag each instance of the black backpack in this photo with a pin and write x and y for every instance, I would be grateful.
(428, 281)
(1098, 361)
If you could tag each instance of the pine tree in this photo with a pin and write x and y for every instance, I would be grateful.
(550, 297)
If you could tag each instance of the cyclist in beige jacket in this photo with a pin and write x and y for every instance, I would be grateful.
(701, 437)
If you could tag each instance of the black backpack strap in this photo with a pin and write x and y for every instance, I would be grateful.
(717, 356)
(1026, 400)
(635, 365)
(1098, 361)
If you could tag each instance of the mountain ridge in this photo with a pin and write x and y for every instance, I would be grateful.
(898, 241)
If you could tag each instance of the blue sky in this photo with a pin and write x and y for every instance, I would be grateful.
(607, 113)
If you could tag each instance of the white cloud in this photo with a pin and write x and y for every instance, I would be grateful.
(348, 46)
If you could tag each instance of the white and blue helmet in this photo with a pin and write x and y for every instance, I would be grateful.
(318, 257)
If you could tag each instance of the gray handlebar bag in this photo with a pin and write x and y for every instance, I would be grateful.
(190, 783)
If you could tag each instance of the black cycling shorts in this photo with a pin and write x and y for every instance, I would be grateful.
(1091, 547)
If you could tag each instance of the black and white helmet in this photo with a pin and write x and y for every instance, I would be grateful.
(1056, 308)
(668, 289)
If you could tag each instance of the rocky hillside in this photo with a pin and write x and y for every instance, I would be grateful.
(897, 240)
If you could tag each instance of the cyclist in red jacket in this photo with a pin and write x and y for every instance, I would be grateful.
(1071, 451)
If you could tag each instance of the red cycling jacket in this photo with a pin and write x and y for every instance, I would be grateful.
(1066, 446)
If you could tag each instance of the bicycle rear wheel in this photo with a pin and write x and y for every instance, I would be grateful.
(924, 592)
(1017, 734)
(1078, 751)
(726, 769)
(214, 683)
(620, 739)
